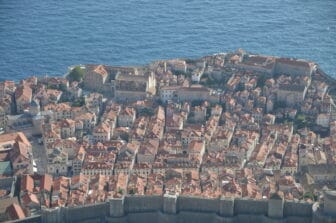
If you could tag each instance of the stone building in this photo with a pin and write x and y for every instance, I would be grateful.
(68, 128)
(126, 117)
(3, 119)
(19, 151)
(293, 67)
(322, 173)
(23, 98)
(168, 93)
(147, 151)
(21, 158)
(57, 162)
(95, 77)
(291, 94)
(129, 87)
(102, 132)
(196, 93)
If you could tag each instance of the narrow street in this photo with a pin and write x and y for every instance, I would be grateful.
(40, 156)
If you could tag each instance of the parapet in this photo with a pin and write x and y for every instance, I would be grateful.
(171, 207)
(276, 206)
(330, 203)
(170, 203)
(51, 215)
(226, 207)
(117, 207)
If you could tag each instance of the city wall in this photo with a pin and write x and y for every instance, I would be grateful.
(33, 219)
(197, 204)
(89, 213)
(172, 208)
(136, 204)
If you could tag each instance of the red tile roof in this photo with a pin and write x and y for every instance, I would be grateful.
(15, 212)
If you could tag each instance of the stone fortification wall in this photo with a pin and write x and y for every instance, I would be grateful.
(198, 217)
(197, 204)
(330, 203)
(294, 219)
(51, 215)
(96, 212)
(250, 207)
(34, 219)
(292, 68)
(134, 204)
(298, 209)
(90, 213)
(173, 208)
(194, 217)
(226, 207)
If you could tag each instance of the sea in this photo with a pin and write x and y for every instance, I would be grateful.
(45, 37)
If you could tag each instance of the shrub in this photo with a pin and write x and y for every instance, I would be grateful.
(76, 74)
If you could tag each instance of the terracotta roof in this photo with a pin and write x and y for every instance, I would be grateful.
(149, 147)
(53, 92)
(15, 212)
(16, 136)
(67, 123)
(81, 179)
(128, 111)
(27, 199)
(86, 115)
(102, 128)
(294, 62)
(19, 149)
(23, 93)
(100, 69)
(196, 146)
(27, 183)
(131, 77)
(46, 182)
(195, 88)
(57, 107)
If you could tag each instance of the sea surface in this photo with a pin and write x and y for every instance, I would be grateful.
(40, 37)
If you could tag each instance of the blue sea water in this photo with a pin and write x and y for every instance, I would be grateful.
(46, 36)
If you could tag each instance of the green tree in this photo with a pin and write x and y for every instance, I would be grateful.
(309, 195)
(79, 102)
(76, 74)
(261, 81)
(120, 191)
(300, 121)
(62, 87)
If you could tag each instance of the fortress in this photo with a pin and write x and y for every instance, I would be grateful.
(172, 208)
(77, 202)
